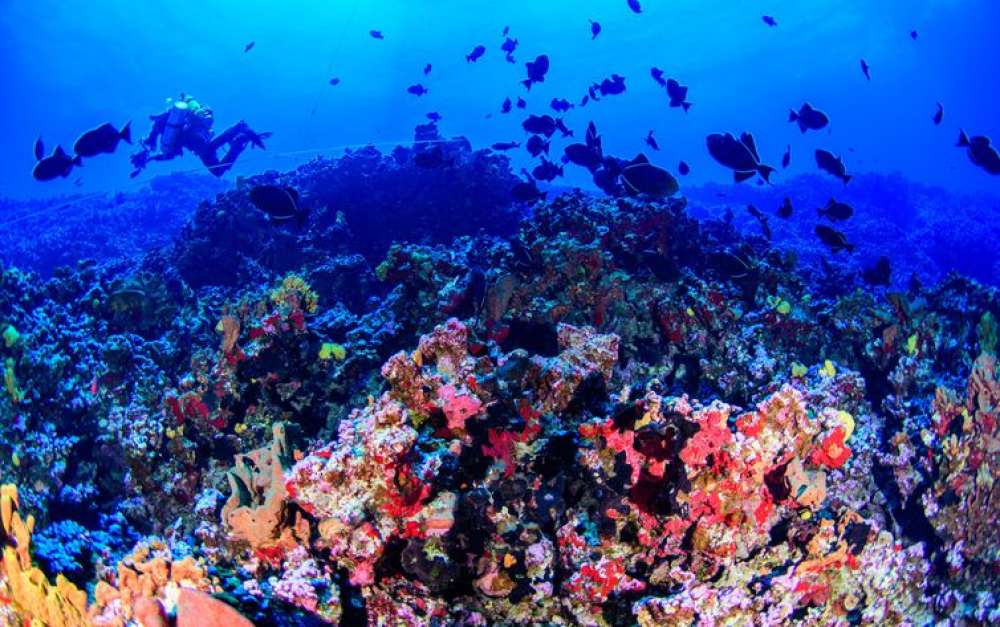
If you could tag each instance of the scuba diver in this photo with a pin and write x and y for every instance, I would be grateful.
(188, 124)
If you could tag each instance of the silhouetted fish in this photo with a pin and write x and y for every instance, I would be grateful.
(866, 70)
(476, 53)
(785, 210)
(584, 100)
(527, 191)
(787, 157)
(434, 116)
(509, 46)
(678, 94)
(376, 34)
(683, 168)
(427, 69)
(834, 239)
(58, 164)
(540, 125)
(595, 29)
(505, 145)
(536, 70)
(878, 274)
(651, 141)
(560, 104)
(546, 171)
(612, 86)
(39, 149)
(103, 139)
(592, 139)
(832, 164)
(914, 34)
(657, 75)
(981, 151)
(279, 203)
(837, 211)
(521, 103)
(730, 265)
(583, 155)
(758, 215)
(417, 89)
(739, 155)
(938, 115)
(247, 48)
(642, 177)
(634, 5)
(808, 118)
(770, 21)
(335, 81)
(562, 128)
(536, 145)
(505, 107)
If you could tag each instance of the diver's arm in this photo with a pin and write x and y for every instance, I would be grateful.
(159, 124)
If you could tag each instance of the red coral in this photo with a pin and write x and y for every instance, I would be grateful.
(710, 439)
(501, 447)
(458, 407)
(832, 453)
(409, 496)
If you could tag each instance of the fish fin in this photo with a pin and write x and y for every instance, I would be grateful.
(640, 158)
(751, 145)
(802, 126)
(686, 105)
(739, 177)
(963, 139)
(126, 132)
(792, 115)
(39, 149)
(847, 178)
(527, 84)
(765, 172)
(59, 151)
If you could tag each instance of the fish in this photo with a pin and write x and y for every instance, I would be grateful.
(376, 34)
(634, 5)
(281, 204)
(39, 149)
(432, 158)
(521, 104)
(595, 29)
(657, 75)
(651, 141)
(938, 115)
(981, 151)
(678, 94)
(427, 69)
(334, 81)
(730, 265)
(592, 139)
(58, 164)
(434, 116)
(508, 47)
(505, 145)
(536, 70)
(833, 239)
(785, 210)
(476, 54)
(837, 211)
(808, 118)
(527, 191)
(584, 100)
(540, 125)
(770, 21)
(506, 31)
(612, 86)
(683, 168)
(536, 145)
(787, 157)
(560, 104)
(546, 171)
(866, 70)
(738, 155)
(832, 164)
(417, 89)
(642, 177)
(505, 107)
(583, 155)
(878, 274)
(561, 126)
(758, 215)
(103, 139)
(247, 48)
(914, 34)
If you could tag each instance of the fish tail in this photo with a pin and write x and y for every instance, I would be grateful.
(963, 139)
(792, 115)
(739, 177)
(847, 178)
(527, 84)
(686, 105)
(765, 172)
(126, 132)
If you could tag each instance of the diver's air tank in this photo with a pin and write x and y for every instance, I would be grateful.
(170, 140)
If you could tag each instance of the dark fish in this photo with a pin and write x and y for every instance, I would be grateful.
(981, 151)
(592, 139)
(417, 89)
(506, 31)
(634, 5)
(521, 103)
(476, 53)
(758, 215)
(505, 145)
(55, 165)
(938, 115)
(547, 171)
(432, 158)
(651, 141)
(642, 177)
(505, 107)
(527, 191)
(770, 21)
(730, 265)
(39, 149)
(595, 29)
(247, 48)
(584, 100)
(427, 69)
(834, 239)
(334, 81)
(279, 203)
(612, 86)
(878, 274)
(583, 155)
(376, 34)
(434, 116)
(832, 164)
(808, 118)
(683, 168)
(560, 104)
(509, 46)
(592, 93)
(103, 139)
(540, 125)
(787, 157)
(657, 75)
(536, 145)
(562, 128)
(866, 70)
(678, 94)
(738, 155)
(536, 70)
(785, 210)
(837, 211)
(914, 34)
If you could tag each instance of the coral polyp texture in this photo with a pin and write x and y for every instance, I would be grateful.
(592, 411)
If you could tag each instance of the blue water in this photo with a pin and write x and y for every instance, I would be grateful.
(68, 67)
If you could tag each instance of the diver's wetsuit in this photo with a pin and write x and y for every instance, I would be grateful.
(192, 130)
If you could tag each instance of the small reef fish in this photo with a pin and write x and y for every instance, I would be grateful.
(808, 118)
(58, 164)
(833, 239)
(536, 70)
(103, 139)
(832, 164)
(476, 54)
(738, 155)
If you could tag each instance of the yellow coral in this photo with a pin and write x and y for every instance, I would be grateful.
(295, 290)
(332, 350)
(828, 370)
(10, 382)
